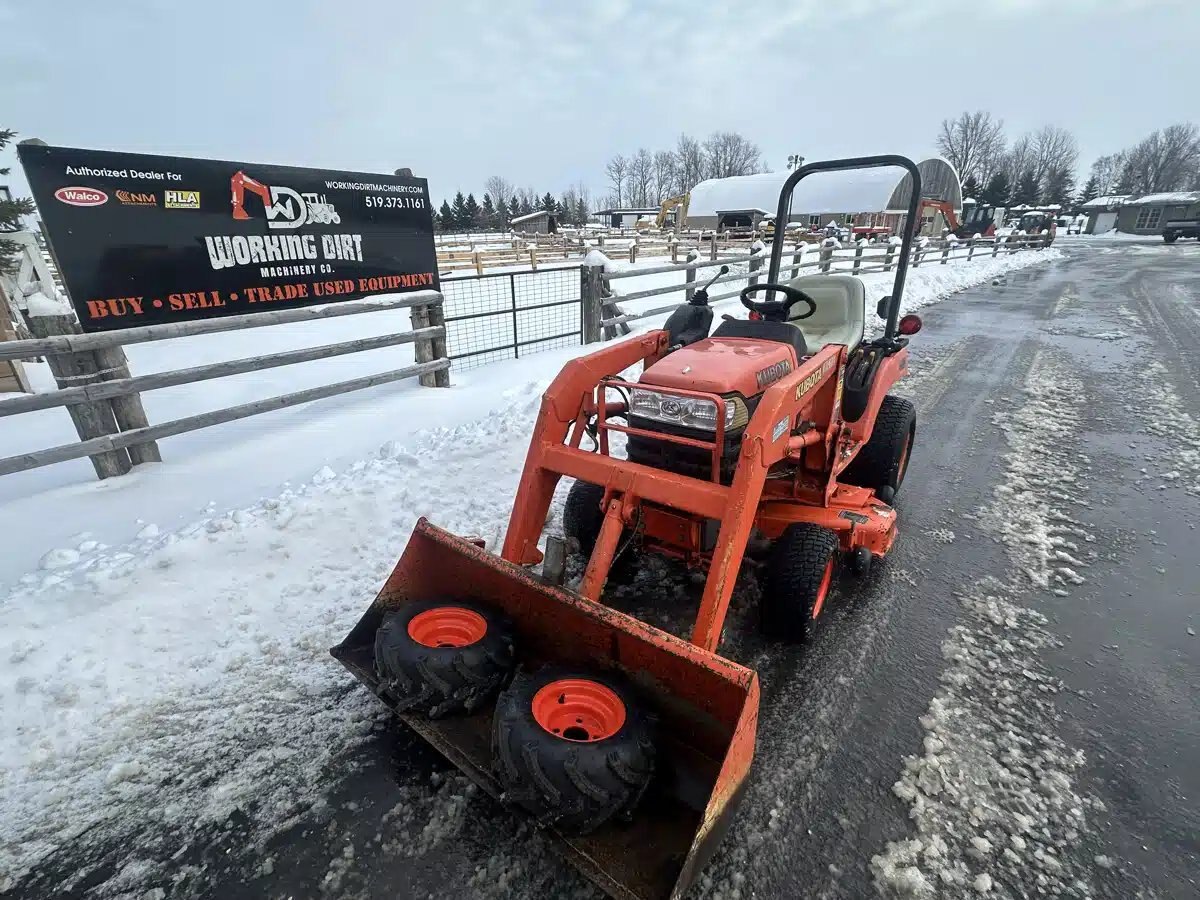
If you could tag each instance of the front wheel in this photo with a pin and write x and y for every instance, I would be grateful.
(572, 748)
(798, 577)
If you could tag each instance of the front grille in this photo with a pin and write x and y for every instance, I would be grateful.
(682, 460)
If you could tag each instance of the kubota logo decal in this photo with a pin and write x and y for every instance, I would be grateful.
(81, 196)
(284, 207)
(811, 380)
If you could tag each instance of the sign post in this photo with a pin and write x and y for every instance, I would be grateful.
(147, 239)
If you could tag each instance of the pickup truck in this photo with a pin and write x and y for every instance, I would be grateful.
(1177, 228)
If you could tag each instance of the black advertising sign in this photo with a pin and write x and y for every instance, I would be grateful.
(147, 239)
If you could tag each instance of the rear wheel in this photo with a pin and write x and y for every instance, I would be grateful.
(573, 749)
(1169, 237)
(798, 577)
(442, 657)
(883, 462)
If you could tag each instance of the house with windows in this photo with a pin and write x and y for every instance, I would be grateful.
(1150, 212)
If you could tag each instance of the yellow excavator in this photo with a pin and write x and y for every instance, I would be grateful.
(679, 204)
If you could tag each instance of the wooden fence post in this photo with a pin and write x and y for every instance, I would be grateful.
(674, 251)
(478, 260)
(946, 253)
(431, 349)
(591, 290)
(92, 420)
(633, 250)
(755, 265)
(858, 255)
(970, 249)
(127, 409)
(689, 276)
(826, 258)
(712, 250)
(797, 259)
(995, 245)
(533, 257)
(887, 258)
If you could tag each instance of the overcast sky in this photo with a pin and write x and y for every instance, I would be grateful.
(544, 92)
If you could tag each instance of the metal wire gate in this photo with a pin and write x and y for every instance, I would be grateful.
(511, 314)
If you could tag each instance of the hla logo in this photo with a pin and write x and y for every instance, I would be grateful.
(181, 199)
(81, 196)
(285, 207)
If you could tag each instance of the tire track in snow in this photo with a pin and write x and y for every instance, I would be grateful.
(992, 796)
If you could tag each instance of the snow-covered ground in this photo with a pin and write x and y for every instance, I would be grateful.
(164, 664)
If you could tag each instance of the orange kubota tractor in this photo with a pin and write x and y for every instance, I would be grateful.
(776, 437)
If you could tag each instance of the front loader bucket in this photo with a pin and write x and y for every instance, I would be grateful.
(707, 708)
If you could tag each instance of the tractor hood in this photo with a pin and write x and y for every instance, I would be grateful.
(723, 365)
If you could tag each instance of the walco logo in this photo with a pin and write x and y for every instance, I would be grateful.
(285, 207)
(131, 199)
(81, 196)
(181, 199)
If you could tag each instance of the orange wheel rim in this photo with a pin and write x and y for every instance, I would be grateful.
(447, 626)
(823, 590)
(578, 709)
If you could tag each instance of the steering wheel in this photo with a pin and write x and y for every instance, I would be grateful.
(777, 310)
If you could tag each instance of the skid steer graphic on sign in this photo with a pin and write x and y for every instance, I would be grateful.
(284, 207)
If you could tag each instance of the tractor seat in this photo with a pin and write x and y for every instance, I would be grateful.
(839, 318)
(762, 330)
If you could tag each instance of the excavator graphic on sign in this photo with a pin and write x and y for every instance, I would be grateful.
(285, 208)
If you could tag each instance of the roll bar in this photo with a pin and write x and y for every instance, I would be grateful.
(910, 226)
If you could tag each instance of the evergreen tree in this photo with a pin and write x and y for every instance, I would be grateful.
(581, 212)
(526, 206)
(549, 204)
(11, 212)
(446, 217)
(971, 188)
(1091, 190)
(997, 191)
(473, 213)
(1060, 187)
(488, 212)
(461, 218)
(502, 214)
(1027, 191)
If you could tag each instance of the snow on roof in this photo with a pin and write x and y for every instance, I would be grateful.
(1168, 197)
(863, 190)
(1107, 202)
(626, 210)
(528, 216)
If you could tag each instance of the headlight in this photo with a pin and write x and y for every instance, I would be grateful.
(690, 412)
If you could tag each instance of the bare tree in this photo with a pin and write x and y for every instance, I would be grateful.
(1167, 160)
(973, 143)
(727, 153)
(1107, 171)
(1053, 148)
(617, 171)
(1018, 158)
(498, 188)
(664, 175)
(641, 177)
(689, 163)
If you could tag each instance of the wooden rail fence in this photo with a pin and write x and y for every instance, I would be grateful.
(104, 399)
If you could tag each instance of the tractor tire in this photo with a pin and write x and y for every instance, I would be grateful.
(572, 749)
(882, 464)
(441, 657)
(582, 519)
(1169, 237)
(797, 579)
